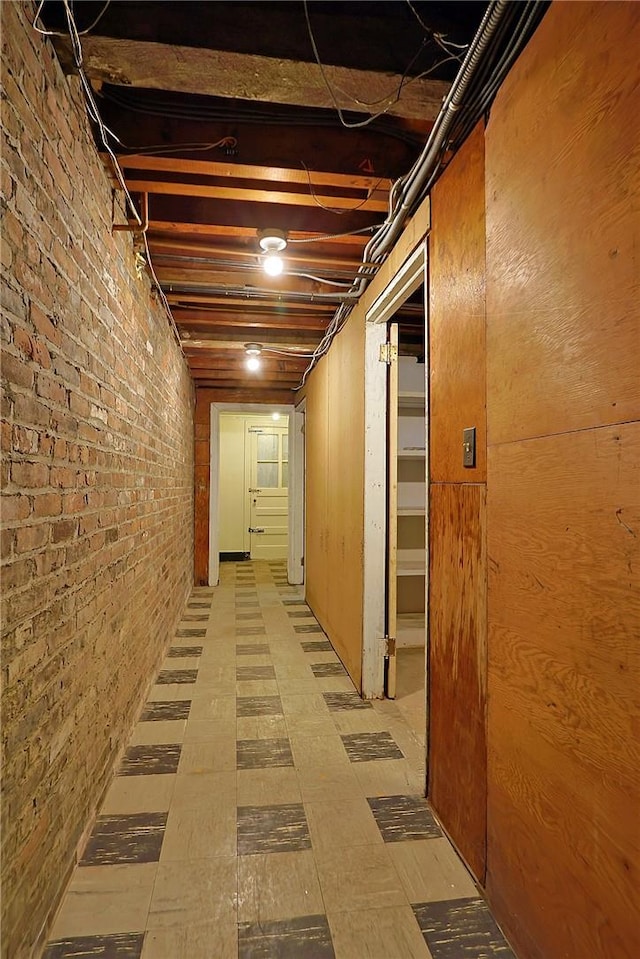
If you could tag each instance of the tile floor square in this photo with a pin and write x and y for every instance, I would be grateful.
(174, 676)
(363, 879)
(179, 651)
(251, 649)
(345, 701)
(159, 711)
(261, 753)
(258, 706)
(461, 927)
(328, 669)
(363, 747)
(309, 628)
(281, 886)
(402, 818)
(307, 937)
(150, 760)
(382, 933)
(272, 829)
(243, 630)
(315, 646)
(105, 900)
(255, 672)
(136, 837)
(127, 945)
(430, 870)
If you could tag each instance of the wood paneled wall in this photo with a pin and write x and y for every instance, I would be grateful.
(457, 495)
(563, 382)
(334, 431)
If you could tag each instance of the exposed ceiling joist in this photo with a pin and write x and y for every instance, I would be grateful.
(222, 73)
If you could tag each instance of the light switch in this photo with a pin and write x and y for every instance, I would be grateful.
(469, 447)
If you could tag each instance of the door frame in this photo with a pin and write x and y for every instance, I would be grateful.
(406, 281)
(296, 488)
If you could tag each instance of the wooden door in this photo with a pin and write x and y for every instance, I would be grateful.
(268, 492)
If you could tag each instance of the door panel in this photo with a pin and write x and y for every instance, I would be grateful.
(457, 666)
(268, 492)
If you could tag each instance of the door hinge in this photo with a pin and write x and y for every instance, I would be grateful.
(302, 560)
(389, 646)
(252, 490)
(256, 529)
(388, 353)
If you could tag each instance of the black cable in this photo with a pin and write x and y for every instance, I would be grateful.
(207, 113)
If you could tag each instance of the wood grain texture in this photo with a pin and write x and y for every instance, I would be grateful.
(345, 498)
(562, 162)
(457, 666)
(316, 468)
(564, 693)
(457, 350)
(334, 431)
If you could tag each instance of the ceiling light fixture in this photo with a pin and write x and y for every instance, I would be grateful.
(272, 242)
(253, 351)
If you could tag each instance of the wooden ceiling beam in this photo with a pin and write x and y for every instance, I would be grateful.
(231, 373)
(247, 303)
(232, 336)
(176, 248)
(286, 146)
(212, 393)
(169, 229)
(243, 171)
(196, 321)
(163, 66)
(256, 385)
(376, 202)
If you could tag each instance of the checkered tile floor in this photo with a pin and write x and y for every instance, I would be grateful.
(263, 810)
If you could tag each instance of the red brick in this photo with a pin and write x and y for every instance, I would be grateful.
(16, 371)
(30, 475)
(25, 440)
(31, 537)
(45, 325)
(47, 504)
(63, 530)
(15, 508)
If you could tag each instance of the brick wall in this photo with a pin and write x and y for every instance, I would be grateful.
(97, 471)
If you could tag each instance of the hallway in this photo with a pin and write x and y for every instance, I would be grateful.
(263, 810)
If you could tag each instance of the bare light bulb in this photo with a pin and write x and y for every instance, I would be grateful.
(273, 265)
(253, 363)
(275, 416)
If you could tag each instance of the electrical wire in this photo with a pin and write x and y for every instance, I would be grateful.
(503, 32)
(330, 209)
(439, 38)
(94, 114)
(196, 112)
(333, 236)
(60, 33)
(230, 142)
(395, 97)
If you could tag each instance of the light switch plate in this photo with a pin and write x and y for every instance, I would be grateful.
(469, 447)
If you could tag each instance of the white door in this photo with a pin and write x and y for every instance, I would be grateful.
(268, 492)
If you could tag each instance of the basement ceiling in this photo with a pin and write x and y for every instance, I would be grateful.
(228, 118)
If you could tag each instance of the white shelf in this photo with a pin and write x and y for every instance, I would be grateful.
(411, 562)
(409, 399)
(412, 454)
(412, 511)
